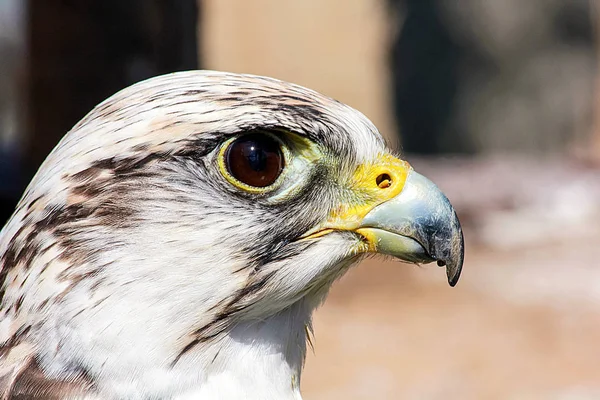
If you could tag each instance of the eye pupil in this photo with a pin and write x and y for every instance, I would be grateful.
(255, 159)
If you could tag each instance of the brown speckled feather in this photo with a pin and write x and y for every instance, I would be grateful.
(21, 378)
(133, 269)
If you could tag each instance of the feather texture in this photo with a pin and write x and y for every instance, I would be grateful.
(132, 269)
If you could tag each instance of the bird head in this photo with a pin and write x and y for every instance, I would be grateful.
(191, 202)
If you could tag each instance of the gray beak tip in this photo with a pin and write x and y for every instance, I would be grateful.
(457, 255)
(454, 269)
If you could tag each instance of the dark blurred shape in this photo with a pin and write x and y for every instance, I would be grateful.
(11, 183)
(82, 51)
(12, 100)
(424, 64)
(474, 76)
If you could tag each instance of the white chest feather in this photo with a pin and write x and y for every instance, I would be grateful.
(255, 360)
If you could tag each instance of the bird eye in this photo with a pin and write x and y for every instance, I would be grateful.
(255, 159)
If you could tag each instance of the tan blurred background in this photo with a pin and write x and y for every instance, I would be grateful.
(495, 100)
(524, 320)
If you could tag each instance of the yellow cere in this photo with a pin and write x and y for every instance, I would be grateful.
(372, 184)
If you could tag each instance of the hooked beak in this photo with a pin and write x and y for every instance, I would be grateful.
(398, 212)
(418, 225)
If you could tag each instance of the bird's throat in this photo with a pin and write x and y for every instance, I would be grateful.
(258, 359)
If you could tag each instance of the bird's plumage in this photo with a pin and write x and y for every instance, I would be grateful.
(132, 269)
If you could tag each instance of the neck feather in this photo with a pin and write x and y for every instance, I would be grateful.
(258, 359)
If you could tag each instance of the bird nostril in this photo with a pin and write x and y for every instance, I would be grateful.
(384, 181)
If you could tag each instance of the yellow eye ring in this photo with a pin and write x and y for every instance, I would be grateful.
(254, 162)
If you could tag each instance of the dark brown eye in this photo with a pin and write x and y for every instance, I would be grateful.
(255, 159)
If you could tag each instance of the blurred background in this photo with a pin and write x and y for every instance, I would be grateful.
(495, 100)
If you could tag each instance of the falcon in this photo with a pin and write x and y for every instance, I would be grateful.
(176, 242)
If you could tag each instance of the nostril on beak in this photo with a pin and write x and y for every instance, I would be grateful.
(384, 181)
